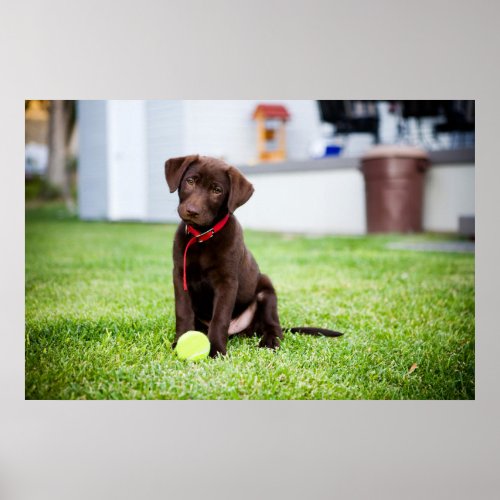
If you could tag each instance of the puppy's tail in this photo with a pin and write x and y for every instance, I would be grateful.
(312, 330)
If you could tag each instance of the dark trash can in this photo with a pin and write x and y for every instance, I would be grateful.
(394, 185)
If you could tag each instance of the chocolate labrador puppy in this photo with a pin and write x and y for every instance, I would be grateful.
(219, 289)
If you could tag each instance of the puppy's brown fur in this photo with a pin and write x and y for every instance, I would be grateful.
(227, 294)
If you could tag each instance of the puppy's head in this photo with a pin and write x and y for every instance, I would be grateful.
(208, 188)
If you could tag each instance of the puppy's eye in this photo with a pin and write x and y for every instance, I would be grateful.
(190, 181)
(217, 190)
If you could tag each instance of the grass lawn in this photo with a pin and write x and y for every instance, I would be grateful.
(100, 318)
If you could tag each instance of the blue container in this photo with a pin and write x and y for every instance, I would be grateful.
(333, 150)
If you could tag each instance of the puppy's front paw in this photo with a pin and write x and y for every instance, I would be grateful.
(217, 350)
(271, 342)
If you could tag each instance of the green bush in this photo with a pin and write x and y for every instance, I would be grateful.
(38, 188)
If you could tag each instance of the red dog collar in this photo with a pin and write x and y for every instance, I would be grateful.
(200, 238)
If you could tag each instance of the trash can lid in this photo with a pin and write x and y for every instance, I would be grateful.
(393, 151)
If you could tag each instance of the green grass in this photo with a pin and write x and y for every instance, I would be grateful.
(100, 318)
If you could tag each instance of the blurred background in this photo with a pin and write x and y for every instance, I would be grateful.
(333, 167)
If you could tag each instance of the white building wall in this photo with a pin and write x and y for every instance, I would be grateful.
(448, 194)
(327, 201)
(92, 163)
(126, 160)
(165, 132)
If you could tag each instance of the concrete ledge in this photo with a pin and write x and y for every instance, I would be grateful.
(438, 158)
(453, 156)
(335, 163)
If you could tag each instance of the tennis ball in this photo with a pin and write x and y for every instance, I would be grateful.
(192, 346)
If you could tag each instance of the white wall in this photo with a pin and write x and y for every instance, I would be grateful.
(449, 194)
(165, 125)
(92, 162)
(126, 160)
(112, 171)
(326, 201)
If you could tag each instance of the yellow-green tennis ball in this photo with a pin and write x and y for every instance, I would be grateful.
(192, 346)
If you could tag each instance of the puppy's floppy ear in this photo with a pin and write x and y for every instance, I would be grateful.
(175, 168)
(241, 189)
